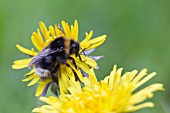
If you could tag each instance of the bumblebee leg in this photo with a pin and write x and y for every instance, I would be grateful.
(80, 58)
(75, 74)
(45, 89)
(73, 61)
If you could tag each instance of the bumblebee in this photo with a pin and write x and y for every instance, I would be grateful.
(47, 62)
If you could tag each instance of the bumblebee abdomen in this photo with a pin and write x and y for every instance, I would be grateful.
(43, 73)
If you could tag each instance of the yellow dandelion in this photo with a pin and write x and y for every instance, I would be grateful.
(115, 94)
(41, 39)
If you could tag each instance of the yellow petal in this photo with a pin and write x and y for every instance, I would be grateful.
(132, 74)
(145, 93)
(92, 77)
(38, 110)
(29, 78)
(82, 65)
(23, 61)
(37, 41)
(44, 109)
(106, 79)
(40, 38)
(52, 32)
(30, 73)
(19, 64)
(112, 79)
(88, 36)
(35, 53)
(145, 79)
(41, 87)
(119, 71)
(139, 76)
(45, 99)
(74, 31)
(47, 42)
(97, 39)
(76, 87)
(94, 45)
(26, 51)
(64, 76)
(35, 80)
(63, 79)
(53, 101)
(115, 68)
(70, 73)
(78, 72)
(59, 32)
(87, 82)
(63, 89)
(117, 79)
(69, 70)
(44, 30)
(140, 106)
(88, 61)
(66, 28)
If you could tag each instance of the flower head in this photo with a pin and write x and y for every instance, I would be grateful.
(115, 94)
(42, 38)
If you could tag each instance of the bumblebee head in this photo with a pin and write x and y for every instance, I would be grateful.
(74, 48)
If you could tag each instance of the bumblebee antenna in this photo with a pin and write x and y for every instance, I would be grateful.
(83, 51)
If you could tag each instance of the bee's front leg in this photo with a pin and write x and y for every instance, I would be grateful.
(74, 62)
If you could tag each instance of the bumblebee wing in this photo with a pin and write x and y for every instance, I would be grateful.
(45, 52)
(48, 51)
(40, 56)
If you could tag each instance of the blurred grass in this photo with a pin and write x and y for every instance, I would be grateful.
(138, 36)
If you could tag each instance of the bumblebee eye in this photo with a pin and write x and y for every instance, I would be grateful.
(74, 45)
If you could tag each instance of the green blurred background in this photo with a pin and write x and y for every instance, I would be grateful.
(138, 36)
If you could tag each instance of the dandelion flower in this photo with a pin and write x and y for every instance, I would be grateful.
(42, 38)
(115, 94)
